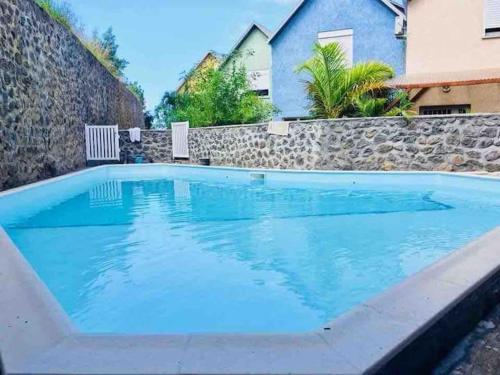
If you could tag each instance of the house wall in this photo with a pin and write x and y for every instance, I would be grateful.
(440, 143)
(255, 52)
(210, 61)
(374, 39)
(50, 86)
(448, 36)
(482, 98)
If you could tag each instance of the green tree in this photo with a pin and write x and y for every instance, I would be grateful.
(104, 50)
(148, 119)
(401, 105)
(218, 97)
(368, 106)
(166, 111)
(334, 88)
(60, 12)
(138, 91)
(108, 43)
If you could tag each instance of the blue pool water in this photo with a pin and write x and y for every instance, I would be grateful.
(189, 252)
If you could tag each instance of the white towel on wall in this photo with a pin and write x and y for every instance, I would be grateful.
(278, 127)
(135, 134)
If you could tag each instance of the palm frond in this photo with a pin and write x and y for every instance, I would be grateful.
(333, 87)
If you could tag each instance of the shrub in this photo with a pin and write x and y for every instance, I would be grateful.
(104, 49)
(215, 97)
(95, 48)
(60, 12)
(335, 90)
(138, 91)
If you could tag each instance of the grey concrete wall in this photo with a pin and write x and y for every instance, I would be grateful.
(444, 143)
(50, 86)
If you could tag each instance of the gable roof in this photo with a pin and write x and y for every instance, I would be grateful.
(395, 7)
(210, 54)
(240, 41)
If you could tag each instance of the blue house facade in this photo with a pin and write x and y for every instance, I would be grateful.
(367, 30)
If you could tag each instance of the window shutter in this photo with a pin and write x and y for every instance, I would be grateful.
(492, 14)
(343, 37)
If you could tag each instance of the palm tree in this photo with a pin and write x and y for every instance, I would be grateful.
(334, 88)
(368, 106)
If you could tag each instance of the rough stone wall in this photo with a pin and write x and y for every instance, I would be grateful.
(448, 143)
(50, 86)
(156, 145)
(440, 143)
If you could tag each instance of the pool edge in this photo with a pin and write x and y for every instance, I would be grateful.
(108, 168)
(373, 337)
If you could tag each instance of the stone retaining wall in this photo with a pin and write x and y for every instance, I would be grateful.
(439, 143)
(50, 86)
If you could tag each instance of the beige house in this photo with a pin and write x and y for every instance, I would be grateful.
(453, 56)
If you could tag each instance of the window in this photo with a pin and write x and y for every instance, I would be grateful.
(260, 81)
(300, 118)
(445, 110)
(261, 92)
(492, 18)
(343, 37)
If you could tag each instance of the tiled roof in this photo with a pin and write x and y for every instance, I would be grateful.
(440, 79)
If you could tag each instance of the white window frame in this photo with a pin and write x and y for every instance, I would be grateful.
(340, 36)
(491, 18)
(259, 79)
(443, 110)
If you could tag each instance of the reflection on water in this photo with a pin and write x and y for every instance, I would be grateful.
(198, 256)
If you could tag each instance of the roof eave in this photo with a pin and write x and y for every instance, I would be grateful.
(240, 41)
(423, 85)
(196, 66)
(285, 22)
(388, 3)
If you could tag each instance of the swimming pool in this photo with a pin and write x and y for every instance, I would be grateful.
(168, 249)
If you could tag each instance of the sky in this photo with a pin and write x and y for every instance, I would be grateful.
(164, 38)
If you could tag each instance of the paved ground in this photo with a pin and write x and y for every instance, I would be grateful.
(479, 352)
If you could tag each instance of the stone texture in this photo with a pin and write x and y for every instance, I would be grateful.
(50, 86)
(478, 353)
(448, 143)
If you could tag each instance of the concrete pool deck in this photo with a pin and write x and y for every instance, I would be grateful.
(408, 328)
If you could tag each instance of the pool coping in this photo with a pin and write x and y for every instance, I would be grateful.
(467, 175)
(36, 335)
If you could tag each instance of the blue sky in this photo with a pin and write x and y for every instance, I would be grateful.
(163, 38)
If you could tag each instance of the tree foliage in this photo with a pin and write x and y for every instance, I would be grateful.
(215, 97)
(336, 90)
(138, 91)
(94, 47)
(103, 48)
(60, 12)
(108, 43)
(368, 106)
(401, 105)
(166, 111)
